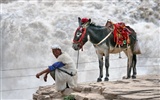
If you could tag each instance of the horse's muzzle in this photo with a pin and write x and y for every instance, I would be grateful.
(76, 46)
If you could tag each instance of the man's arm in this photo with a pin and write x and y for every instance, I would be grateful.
(42, 72)
(49, 69)
(56, 65)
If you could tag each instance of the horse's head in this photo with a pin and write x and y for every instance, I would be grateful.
(80, 36)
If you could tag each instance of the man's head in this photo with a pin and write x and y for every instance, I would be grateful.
(56, 50)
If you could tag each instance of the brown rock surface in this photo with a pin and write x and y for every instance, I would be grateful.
(143, 88)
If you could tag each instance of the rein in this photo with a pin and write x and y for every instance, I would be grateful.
(77, 59)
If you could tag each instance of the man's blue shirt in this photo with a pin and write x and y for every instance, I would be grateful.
(55, 66)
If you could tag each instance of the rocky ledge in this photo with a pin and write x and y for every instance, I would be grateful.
(143, 88)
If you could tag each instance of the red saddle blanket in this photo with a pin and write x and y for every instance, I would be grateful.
(121, 34)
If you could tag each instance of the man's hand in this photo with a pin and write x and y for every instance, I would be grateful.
(37, 75)
(45, 78)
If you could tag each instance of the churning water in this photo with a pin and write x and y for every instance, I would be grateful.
(30, 27)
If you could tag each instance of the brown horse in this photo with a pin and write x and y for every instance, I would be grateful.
(102, 39)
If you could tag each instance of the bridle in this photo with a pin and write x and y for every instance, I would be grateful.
(80, 40)
(82, 29)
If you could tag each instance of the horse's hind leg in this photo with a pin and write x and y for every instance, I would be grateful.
(100, 68)
(129, 62)
(134, 61)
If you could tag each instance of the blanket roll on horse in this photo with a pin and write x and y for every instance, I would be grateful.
(111, 38)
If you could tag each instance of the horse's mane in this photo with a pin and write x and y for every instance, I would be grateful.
(94, 25)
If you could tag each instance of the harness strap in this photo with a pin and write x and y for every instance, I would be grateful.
(77, 59)
(104, 38)
(85, 25)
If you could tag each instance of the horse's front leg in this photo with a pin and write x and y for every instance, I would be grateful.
(100, 58)
(107, 66)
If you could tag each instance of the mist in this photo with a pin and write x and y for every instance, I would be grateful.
(30, 27)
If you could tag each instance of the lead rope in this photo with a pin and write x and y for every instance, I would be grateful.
(77, 59)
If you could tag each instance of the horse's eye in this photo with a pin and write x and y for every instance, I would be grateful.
(79, 34)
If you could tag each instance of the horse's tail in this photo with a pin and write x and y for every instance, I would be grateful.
(136, 49)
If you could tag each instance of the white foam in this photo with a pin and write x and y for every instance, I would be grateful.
(29, 28)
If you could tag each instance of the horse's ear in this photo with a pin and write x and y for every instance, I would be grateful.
(79, 21)
(89, 20)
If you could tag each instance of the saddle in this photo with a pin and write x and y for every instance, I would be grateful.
(120, 31)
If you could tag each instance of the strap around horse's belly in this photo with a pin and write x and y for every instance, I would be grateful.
(116, 47)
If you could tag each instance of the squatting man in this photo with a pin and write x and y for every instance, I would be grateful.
(63, 71)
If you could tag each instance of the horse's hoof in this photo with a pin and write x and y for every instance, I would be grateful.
(133, 77)
(99, 80)
(106, 79)
(125, 77)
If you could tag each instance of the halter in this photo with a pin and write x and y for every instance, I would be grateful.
(82, 28)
